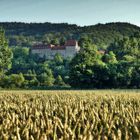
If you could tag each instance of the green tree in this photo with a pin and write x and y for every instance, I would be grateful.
(135, 79)
(55, 41)
(83, 67)
(62, 41)
(84, 40)
(34, 82)
(17, 80)
(110, 58)
(46, 78)
(5, 82)
(59, 81)
(126, 46)
(5, 54)
(46, 39)
(58, 59)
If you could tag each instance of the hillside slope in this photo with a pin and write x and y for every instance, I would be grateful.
(24, 34)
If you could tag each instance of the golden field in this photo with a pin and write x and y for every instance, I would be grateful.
(70, 115)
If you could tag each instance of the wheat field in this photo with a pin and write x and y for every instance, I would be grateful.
(70, 115)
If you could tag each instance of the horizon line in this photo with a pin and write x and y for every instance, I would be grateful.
(40, 22)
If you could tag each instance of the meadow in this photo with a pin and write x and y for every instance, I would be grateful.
(70, 115)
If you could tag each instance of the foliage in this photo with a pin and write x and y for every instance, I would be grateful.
(5, 54)
(12, 81)
(82, 66)
(36, 72)
(127, 46)
(26, 34)
(59, 81)
(116, 66)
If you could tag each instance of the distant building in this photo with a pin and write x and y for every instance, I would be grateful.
(69, 50)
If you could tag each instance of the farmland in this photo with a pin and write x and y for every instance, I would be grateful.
(70, 115)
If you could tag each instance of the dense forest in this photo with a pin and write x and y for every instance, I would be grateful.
(26, 34)
(118, 67)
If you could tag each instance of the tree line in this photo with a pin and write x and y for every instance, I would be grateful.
(26, 34)
(117, 67)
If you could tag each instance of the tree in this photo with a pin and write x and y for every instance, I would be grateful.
(62, 41)
(129, 46)
(21, 59)
(55, 41)
(46, 39)
(83, 67)
(5, 54)
(5, 82)
(59, 81)
(58, 59)
(34, 82)
(16, 80)
(135, 79)
(83, 40)
(20, 52)
(110, 58)
(46, 78)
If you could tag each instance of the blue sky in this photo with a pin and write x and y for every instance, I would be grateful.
(81, 12)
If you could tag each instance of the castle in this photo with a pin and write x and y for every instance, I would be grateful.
(68, 50)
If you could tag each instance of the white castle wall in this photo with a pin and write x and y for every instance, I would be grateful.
(54, 52)
(42, 52)
(69, 51)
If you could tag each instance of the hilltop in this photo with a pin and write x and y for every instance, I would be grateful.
(25, 34)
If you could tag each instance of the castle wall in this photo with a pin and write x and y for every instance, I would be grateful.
(65, 52)
(54, 52)
(42, 52)
(71, 51)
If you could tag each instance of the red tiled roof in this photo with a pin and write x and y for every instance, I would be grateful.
(71, 43)
(58, 48)
(53, 47)
(40, 46)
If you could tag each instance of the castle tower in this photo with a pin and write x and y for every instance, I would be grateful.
(71, 48)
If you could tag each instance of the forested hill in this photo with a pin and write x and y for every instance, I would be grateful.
(24, 34)
(35, 29)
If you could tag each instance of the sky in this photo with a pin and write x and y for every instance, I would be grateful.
(80, 12)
